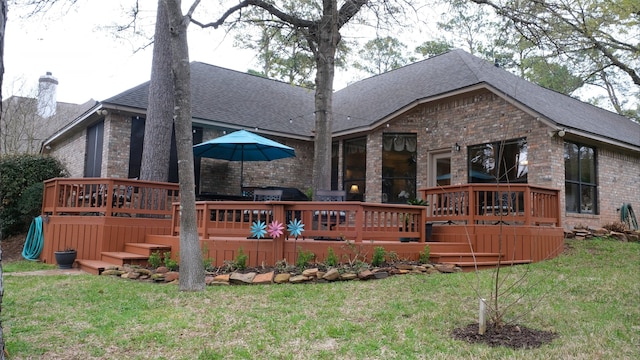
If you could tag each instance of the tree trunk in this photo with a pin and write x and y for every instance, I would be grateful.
(3, 23)
(159, 122)
(327, 37)
(191, 267)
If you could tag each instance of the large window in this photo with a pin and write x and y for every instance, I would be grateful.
(581, 189)
(398, 168)
(501, 161)
(355, 168)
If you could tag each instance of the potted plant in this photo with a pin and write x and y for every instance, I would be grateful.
(65, 258)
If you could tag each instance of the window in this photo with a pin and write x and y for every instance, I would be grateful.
(93, 160)
(501, 161)
(355, 168)
(398, 168)
(580, 178)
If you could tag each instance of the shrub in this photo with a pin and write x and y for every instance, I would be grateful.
(378, 256)
(425, 254)
(304, 257)
(332, 258)
(171, 264)
(21, 178)
(241, 260)
(154, 259)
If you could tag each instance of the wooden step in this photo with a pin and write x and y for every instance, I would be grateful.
(120, 258)
(483, 265)
(95, 267)
(146, 249)
(454, 257)
(448, 247)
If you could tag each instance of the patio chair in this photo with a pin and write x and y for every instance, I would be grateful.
(503, 204)
(331, 217)
(267, 195)
(263, 195)
(450, 204)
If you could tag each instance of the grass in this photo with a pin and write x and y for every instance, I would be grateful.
(589, 296)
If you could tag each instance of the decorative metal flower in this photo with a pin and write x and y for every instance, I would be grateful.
(275, 229)
(258, 229)
(295, 227)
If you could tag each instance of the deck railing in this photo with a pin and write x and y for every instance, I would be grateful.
(337, 220)
(515, 204)
(108, 197)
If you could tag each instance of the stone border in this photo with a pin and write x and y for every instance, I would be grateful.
(313, 275)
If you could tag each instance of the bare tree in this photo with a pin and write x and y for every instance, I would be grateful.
(3, 23)
(159, 121)
(321, 29)
(191, 267)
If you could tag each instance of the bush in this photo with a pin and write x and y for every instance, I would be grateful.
(21, 187)
(616, 226)
(154, 259)
(304, 258)
(378, 256)
(425, 254)
(332, 258)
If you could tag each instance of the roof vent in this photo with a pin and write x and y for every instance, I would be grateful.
(47, 101)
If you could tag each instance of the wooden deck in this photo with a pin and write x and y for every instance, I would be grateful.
(470, 225)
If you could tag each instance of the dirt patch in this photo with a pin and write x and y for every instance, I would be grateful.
(12, 247)
(511, 336)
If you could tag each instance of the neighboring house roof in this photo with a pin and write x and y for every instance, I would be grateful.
(233, 99)
(27, 108)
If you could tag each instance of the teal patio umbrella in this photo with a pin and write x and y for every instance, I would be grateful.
(243, 146)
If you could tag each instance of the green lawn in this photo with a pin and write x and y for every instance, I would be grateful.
(589, 297)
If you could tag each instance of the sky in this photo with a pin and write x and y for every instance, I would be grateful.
(88, 61)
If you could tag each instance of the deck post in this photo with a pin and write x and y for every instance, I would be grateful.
(278, 243)
(527, 206)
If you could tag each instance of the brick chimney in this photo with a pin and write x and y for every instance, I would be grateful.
(47, 101)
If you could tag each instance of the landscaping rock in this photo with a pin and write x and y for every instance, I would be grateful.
(282, 278)
(264, 278)
(171, 276)
(239, 278)
(380, 274)
(298, 279)
(310, 272)
(348, 276)
(446, 268)
(113, 272)
(331, 275)
(365, 275)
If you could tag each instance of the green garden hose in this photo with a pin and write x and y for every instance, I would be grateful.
(628, 217)
(35, 240)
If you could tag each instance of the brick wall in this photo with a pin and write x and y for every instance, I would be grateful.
(115, 152)
(71, 152)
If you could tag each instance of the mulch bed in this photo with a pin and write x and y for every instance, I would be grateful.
(511, 336)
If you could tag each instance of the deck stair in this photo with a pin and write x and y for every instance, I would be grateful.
(133, 254)
(469, 261)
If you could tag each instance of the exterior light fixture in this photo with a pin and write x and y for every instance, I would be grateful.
(456, 147)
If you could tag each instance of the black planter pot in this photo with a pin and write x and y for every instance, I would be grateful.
(65, 259)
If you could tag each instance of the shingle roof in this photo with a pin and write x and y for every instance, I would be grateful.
(242, 100)
(372, 99)
(239, 99)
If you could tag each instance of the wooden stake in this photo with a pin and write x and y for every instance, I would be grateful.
(482, 323)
